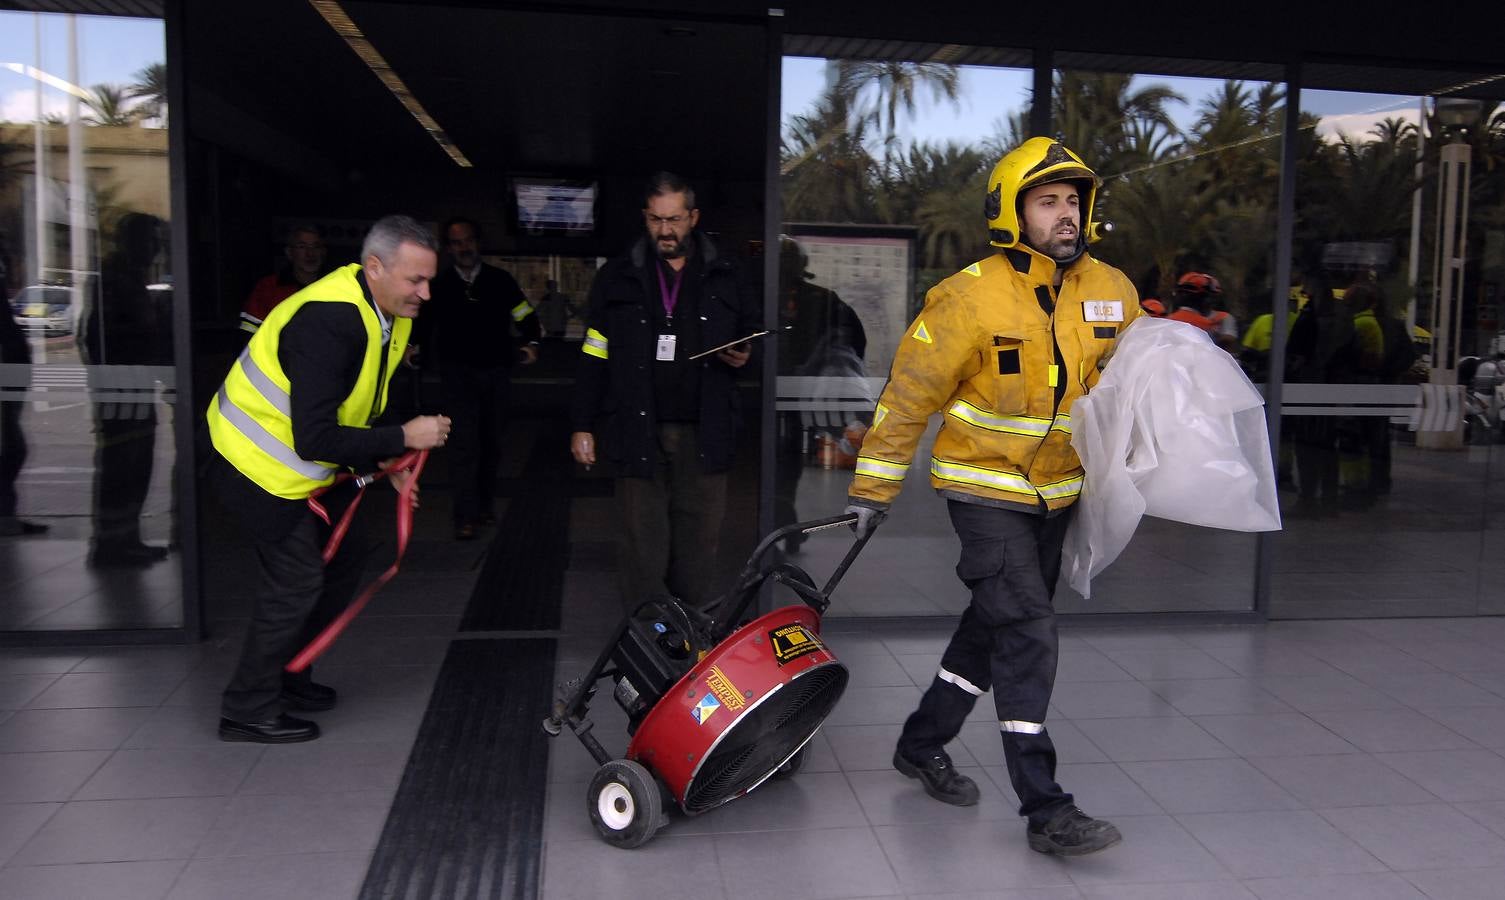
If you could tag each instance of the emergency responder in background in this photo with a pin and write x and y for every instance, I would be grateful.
(668, 421)
(1196, 298)
(335, 345)
(305, 251)
(469, 327)
(1002, 348)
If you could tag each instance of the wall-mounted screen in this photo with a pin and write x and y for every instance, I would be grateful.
(555, 206)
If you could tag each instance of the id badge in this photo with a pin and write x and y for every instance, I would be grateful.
(665, 348)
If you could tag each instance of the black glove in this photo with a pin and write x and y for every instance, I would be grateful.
(868, 518)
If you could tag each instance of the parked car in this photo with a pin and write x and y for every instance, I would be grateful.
(48, 306)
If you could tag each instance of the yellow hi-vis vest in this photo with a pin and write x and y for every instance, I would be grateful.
(250, 418)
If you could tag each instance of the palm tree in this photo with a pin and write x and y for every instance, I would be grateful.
(1096, 112)
(878, 89)
(107, 105)
(150, 87)
(827, 171)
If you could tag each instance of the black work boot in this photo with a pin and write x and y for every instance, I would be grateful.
(1073, 833)
(940, 778)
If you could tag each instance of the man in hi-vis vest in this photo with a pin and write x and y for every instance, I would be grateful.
(301, 404)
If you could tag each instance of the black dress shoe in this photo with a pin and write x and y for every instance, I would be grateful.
(1072, 833)
(284, 729)
(308, 696)
(940, 778)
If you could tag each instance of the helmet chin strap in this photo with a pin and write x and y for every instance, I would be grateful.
(1081, 247)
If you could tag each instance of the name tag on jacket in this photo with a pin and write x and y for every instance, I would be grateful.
(1102, 310)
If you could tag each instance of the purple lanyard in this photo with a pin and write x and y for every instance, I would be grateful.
(669, 297)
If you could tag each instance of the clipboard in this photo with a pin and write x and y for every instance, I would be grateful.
(740, 340)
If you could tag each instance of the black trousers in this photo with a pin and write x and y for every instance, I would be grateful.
(12, 454)
(1006, 641)
(672, 523)
(476, 402)
(297, 595)
(125, 435)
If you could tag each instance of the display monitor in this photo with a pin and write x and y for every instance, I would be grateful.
(555, 206)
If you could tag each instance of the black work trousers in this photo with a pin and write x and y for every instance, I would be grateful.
(12, 454)
(125, 438)
(475, 399)
(672, 523)
(296, 597)
(1006, 641)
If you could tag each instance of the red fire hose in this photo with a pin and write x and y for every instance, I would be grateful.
(413, 460)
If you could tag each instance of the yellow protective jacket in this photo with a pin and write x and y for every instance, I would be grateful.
(250, 417)
(985, 353)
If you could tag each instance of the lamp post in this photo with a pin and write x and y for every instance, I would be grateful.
(1455, 159)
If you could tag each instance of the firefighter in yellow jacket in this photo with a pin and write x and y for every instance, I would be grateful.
(1000, 350)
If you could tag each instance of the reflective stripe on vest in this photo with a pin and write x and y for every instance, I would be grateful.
(520, 311)
(1014, 726)
(881, 468)
(264, 386)
(964, 684)
(1062, 423)
(1029, 426)
(595, 344)
(267, 443)
(1069, 487)
(990, 478)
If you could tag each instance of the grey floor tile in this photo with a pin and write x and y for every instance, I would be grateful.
(1191, 890)
(1346, 779)
(1391, 730)
(122, 830)
(1279, 844)
(1163, 664)
(17, 690)
(567, 816)
(103, 728)
(888, 798)
(1371, 886)
(1154, 849)
(159, 662)
(1102, 789)
(873, 670)
(819, 757)
(374, 721)
(805, 801)
(1058, 892)
(1489, 813)
(864, 748)
(177, 726)
(875, 705)
(1209, 785)
(1482, 725)
(1087, 664)
(744, 861)
(1217, 696)
(320, 768)
(1106, 700)
(1433, 691)
(104, 881)
(577, 869)
(41, 777)
(1273, 734)
(38, 661)
(18, 822)
(1464, 884)
(1152, 738)
(83, 689)
(172, 772)
(966, 856)
(1427, 836)
(271, 824)
(1458, 776)
(322, 875)
(1270, 660)
(1339, 691)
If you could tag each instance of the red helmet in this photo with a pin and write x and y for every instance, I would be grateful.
(1198, 283)
(1153, 307)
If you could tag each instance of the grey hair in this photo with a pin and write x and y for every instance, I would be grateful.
(661, 183)
(389, 232)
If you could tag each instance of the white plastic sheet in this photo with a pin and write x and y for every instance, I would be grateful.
(1173, 429)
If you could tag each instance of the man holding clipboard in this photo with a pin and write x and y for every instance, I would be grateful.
(668, 326)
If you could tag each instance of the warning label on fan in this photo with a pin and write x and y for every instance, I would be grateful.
(792, 642)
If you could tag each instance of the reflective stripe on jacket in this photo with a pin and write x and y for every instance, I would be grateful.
(986, 354)
(250, 416)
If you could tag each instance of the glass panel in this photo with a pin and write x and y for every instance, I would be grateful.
(87, 380)
(1190, 170)
(1391, 496)
(884, 168)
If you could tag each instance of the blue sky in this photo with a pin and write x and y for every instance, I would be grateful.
(111, 50)
(989, 94)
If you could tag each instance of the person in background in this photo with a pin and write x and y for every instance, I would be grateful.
(478, 324)
(1196, 297)
(304, 250)
(669, 422)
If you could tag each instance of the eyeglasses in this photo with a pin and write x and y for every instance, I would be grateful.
(667, 220)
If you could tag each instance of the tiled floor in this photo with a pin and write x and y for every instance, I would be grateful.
(1361, 759)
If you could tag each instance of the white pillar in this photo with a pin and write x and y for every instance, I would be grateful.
(1454, 164)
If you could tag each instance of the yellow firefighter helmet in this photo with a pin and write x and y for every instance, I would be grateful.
(1035, 162)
